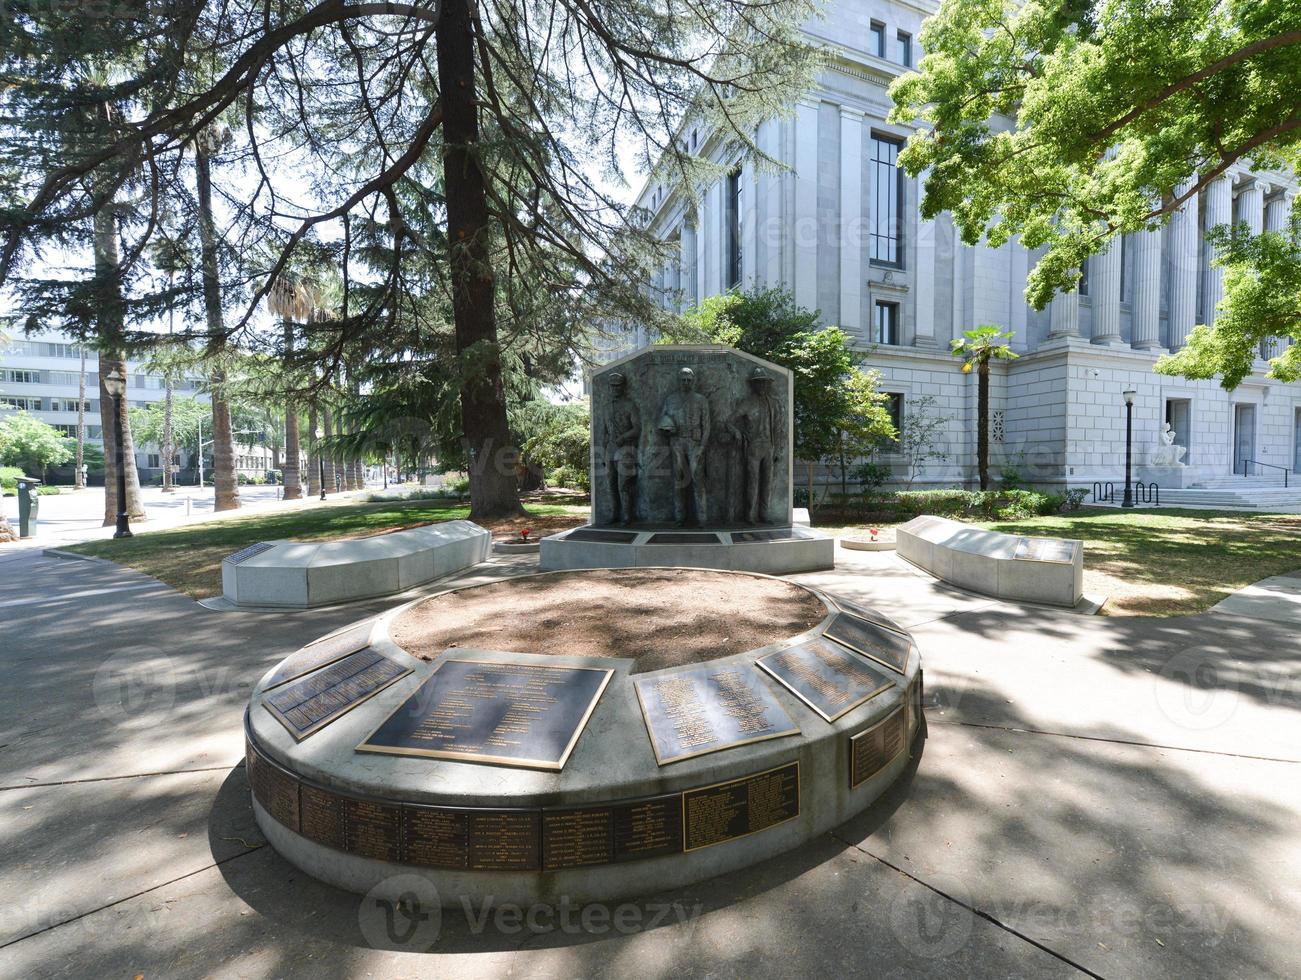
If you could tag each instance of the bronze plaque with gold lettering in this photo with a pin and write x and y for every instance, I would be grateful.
(310, 703)
(1058, 551)
(505, 840)
(695, 710)
(740, 807)
(611, 833)
(827, 677)
(320, 653)
(870, 613)
(512, 714)
(372, 829)
(873, 749)
(276, 789)
(885, 646)
(322, 816)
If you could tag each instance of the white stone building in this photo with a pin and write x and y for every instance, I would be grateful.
(841, 229)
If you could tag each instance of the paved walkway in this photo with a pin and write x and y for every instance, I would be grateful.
(1100, 796)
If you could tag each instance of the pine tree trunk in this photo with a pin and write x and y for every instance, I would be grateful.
(493, 492)
(982, 425)
(326, 427)
(226, 486)
(292, 477)
(313, 455)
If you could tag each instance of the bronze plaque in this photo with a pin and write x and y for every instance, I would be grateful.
(244, 554)
(276, 789)
(436, 836)
(885, 646)
(873, 749)
(604, 537)
(611, 833)
(1055, 550)
(505, 840)
(696, 710)
(320, 653)
(312, 702)
(322, 816)
(683, 537)
(372, 829)
(512, 714)
(775, 534)
(826, 677)
(740, 807)
(869, 613)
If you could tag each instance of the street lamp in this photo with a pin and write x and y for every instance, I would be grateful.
(115, 385)
(320, 460)
(1129, 394)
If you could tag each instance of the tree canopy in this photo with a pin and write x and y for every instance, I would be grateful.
(1068, 122)
(31, 444)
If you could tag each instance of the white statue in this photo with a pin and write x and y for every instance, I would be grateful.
(1168, 454)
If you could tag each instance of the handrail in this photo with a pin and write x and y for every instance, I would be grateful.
(1273, 466)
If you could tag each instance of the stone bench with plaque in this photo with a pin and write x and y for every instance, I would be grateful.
(302, 574)
(1006, 566)
(525, 776)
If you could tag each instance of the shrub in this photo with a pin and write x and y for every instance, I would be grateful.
(9, 477)
(1003, 505)
(569, 476)
(47, 491)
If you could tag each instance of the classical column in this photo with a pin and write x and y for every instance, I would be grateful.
(1251, 206)
(851, 219)
(1064, 314)
(1219, 211)
(1104, 288)
(928, 272)
(805, 226)
(1185, 259)
(690, 282)
(1277, 210)
(1145, 310)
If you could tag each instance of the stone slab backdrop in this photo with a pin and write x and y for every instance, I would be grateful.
(712, 448)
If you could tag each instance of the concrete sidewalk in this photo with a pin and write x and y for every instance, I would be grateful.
(1100, 796)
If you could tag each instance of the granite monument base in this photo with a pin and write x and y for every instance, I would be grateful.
(772, 551)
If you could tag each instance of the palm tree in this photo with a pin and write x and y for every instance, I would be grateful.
(977, 348)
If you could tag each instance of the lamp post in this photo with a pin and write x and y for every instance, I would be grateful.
(115, 385)
(320, 460)
(1129, 445)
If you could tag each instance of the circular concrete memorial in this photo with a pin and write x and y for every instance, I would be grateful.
(580, 735)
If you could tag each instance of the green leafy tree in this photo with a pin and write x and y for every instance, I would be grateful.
(978, 348)
(33, 445)
(1069, 123)
(836, 403)
(189, 416)
(553, 437)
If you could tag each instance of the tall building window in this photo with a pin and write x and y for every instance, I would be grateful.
(1083, 288)
(1124, 268)
(886, 325)
(894, 408)
(733, 229)
(904, 48)
(887, 202)
(876, 39)
(23, 377)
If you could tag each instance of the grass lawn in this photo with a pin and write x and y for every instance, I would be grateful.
(189, 558)
(1164, 562)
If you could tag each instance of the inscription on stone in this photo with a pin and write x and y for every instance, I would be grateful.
(319, 654)
(512, 714)
(1053, 550)
(703, 709)
(309, 704)
(372, 829)
(885, 646)
(873, 749)
(608, 537)
(274, 788)
(867, 613)
(740, 807)
(244, 554)
(609, 834)
(826, 677)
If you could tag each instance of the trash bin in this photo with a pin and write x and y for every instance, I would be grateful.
(29, 505)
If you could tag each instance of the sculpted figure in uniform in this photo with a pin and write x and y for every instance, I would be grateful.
(620, 438)
(756, 426)
(684, 418)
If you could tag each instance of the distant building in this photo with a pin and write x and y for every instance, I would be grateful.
(842, 230)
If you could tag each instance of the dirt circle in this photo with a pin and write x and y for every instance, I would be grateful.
(662, 617)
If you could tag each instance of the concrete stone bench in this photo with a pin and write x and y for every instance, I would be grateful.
(1006, 566)
(300, 574)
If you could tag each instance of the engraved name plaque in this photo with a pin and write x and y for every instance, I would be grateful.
(740, 807)
(309, 704)
(274, 788)
(776, 534)
(512, 714)
(320, 654)
(372, 829)
(697, 710)
(885, 646)
(826, 677)
(606, 537)
(683, 537)
(244, 554)
(873, 749)
(612, 833)
(1053, 550)
(866, 612)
